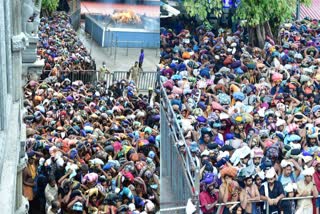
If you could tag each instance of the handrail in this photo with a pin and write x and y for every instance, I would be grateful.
(219, 205)
(178, 134)
(259, 201)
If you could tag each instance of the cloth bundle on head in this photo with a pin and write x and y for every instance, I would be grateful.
(224, 99)
(257, 152)
(308, 171)
(228, 171)
(285, 163)
(270, 173)
(90, 177)
(239, 96)
(290, 187)
(277, 77)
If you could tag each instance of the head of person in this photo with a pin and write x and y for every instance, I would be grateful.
(210, 188)
(286, 167)
(237, 209)
(248, 180)
(271, 176)
(289, 190)
(259, 178)
(52, 181)
(55, 206)
(308, 174)
(206, 138)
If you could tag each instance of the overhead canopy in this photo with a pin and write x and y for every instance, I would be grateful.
(313, 11)
(167, 11)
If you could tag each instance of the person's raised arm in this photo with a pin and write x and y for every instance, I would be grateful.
(77, 198)
(297, 167)
(64, 177)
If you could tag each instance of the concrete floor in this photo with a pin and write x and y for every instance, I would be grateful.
(123, 59)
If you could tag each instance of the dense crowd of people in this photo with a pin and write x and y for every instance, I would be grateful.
(250, 116)
(61, 48)
(91, 148)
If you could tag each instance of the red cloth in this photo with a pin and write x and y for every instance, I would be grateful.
(316, 177)
(205, 199)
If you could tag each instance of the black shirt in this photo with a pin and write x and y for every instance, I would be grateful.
(274, 193)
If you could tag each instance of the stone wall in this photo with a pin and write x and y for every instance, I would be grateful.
(13, 42)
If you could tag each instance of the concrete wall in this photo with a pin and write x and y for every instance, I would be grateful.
(75, 13)
(132, 39)
(12, 130)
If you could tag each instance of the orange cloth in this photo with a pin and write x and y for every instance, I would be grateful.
(28, 192)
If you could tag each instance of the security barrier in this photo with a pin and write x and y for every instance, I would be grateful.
(147, 79)
(219, 205)
(177, 168)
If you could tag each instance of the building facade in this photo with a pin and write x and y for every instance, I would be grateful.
(19, 20)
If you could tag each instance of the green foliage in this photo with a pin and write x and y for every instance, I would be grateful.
(260, 11)
(254, 11)
(49, 6)
(202, 8)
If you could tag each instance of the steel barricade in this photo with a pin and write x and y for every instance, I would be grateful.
(147, 79)
(177, 169)
(120, 75)
(86, 76)
(219, 205)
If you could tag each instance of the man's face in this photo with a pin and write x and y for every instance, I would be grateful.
(245, 160)
(211, 189)
(308, 178)
(206, 138)
(271, 180)
(249, 182)
(270, 119)
(256, 161)
(52, 183)
(287, 171)
(258, 181)
(280, 128)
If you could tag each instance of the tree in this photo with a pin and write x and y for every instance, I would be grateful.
(49, 6)
(262, 15)
(202, 8)
(258, 14)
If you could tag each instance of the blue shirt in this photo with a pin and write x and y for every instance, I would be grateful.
(141, 57)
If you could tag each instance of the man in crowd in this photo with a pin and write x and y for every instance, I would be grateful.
(272, 192)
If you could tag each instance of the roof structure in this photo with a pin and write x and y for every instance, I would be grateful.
(313, 11)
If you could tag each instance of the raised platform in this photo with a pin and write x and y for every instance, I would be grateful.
(151, 10)
(109, 34)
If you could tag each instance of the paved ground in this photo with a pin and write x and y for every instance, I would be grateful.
(123, 60)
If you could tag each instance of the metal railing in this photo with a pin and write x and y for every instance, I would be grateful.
(147, 79)
(220, 205)
(115, 44)
(177, 168)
